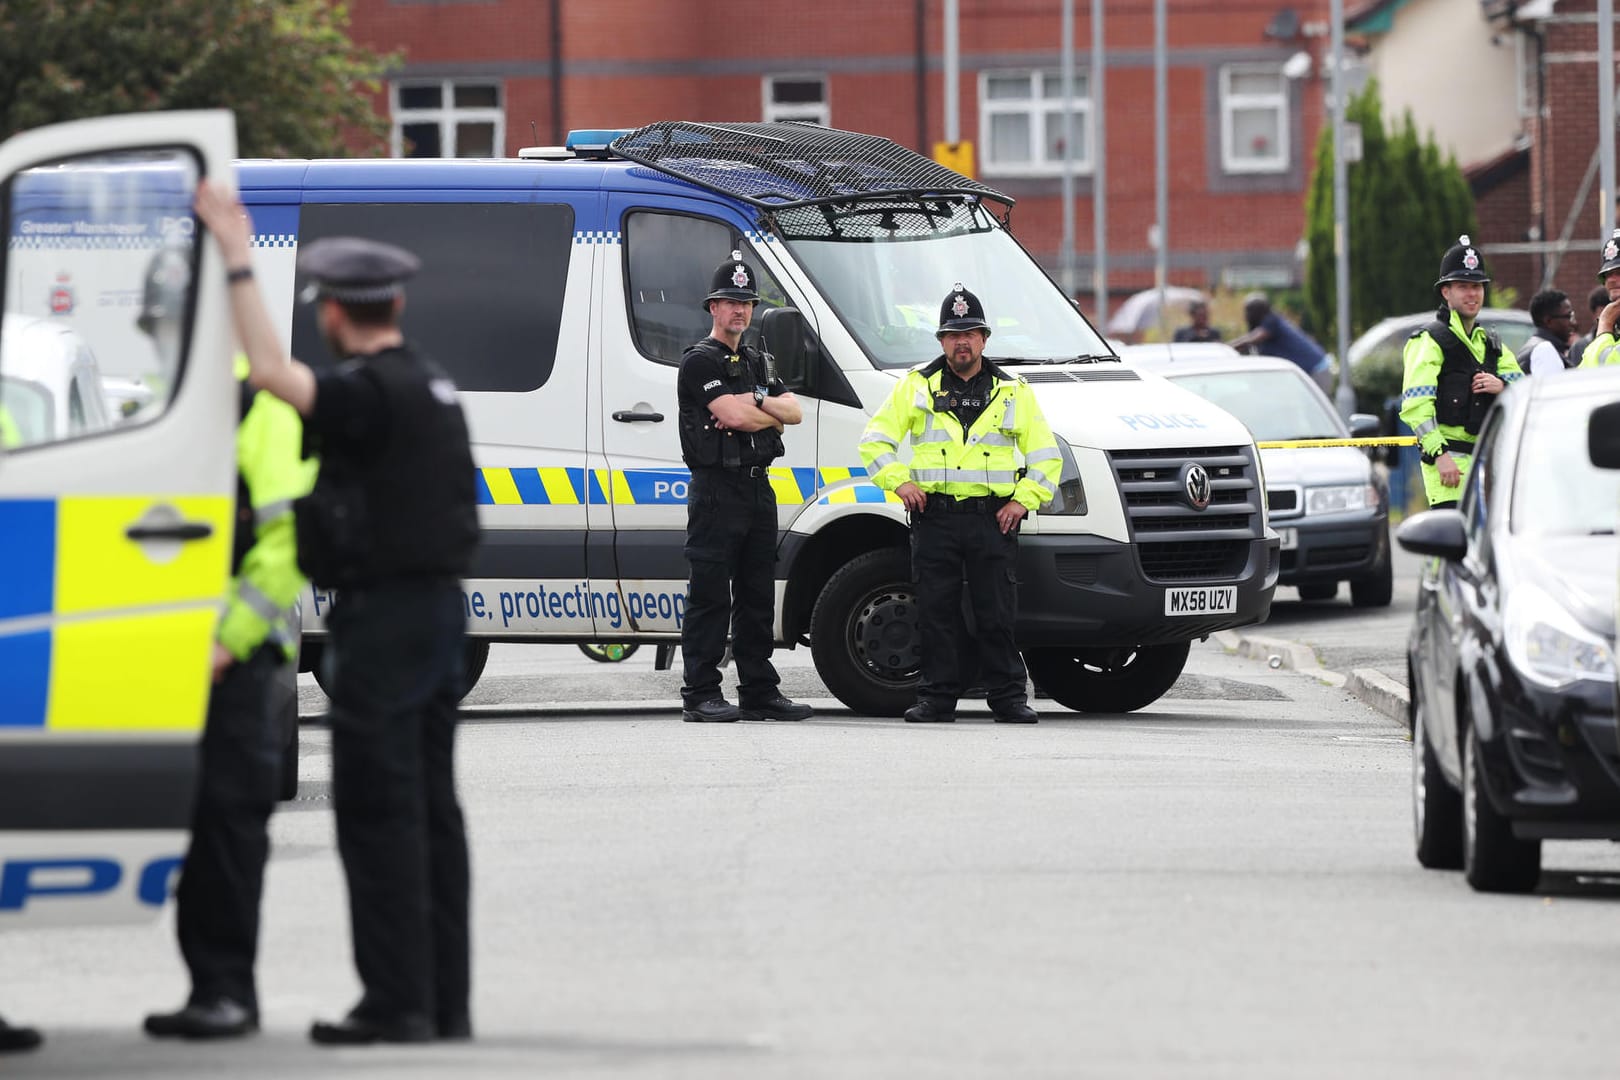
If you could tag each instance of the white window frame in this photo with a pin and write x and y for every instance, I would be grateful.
(1035, 107)
(773, 111)
(1231, 102)
(447, 115)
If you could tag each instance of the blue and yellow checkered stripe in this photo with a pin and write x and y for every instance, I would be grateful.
(94, 634)
(561, 486)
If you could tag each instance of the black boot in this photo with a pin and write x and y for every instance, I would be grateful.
(220, 1018)
(713, 711)
(928, 712)
(16, 1039)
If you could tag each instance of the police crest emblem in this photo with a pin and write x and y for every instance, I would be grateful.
(1610, 250)
(739, 276)
(1470, 260)
(960, 307)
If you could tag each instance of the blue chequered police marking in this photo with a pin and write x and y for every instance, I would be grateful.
(25, 678)
(274, 240)
(28, 553)
(596, 236)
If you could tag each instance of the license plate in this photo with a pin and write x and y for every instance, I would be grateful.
(1209, 600)
(1289, 537)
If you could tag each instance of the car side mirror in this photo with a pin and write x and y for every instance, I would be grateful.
(1364, 425)
(1603, 436)
(1434, 532)
(785, 333)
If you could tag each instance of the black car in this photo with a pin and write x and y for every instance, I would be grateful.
(1511, 656)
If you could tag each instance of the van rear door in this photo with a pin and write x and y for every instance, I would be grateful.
(115, 537)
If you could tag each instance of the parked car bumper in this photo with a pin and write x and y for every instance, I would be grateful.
(1334, 549)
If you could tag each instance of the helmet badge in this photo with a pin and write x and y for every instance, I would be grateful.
(959, 307)
(1470, 260)
(1610, 250)
(739, 276)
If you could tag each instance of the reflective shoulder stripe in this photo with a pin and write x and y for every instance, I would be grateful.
(271, 511)
(257, 602)
(1050, 453)
(883, 461)
(1425, 427)
(995, 438)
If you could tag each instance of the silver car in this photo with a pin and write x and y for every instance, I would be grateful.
(1329, 505)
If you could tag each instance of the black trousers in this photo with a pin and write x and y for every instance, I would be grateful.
(396, 655)
(217, 902)
(731, 555)
(946, 548)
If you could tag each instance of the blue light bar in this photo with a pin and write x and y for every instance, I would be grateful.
(587, 140)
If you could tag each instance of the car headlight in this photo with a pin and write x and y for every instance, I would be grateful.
(1337, 500)
(1546, 644)
(1071, 493)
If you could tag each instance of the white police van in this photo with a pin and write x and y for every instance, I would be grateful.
(114, 536)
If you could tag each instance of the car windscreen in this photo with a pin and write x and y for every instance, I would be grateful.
(886, 268)
(1558, 491)
(1276, 404)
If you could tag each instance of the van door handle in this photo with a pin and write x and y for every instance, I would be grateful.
(624, 416)
(179, 530)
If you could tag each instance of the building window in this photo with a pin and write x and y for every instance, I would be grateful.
(796, 97)
(448, 118)
(1021, 129)
(1254, 119)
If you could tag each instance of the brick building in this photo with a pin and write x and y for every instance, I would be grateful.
(490, 76)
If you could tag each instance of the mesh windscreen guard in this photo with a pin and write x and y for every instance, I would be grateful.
(774, 166)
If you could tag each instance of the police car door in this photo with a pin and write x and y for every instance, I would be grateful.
(652, 310)
(115, 537)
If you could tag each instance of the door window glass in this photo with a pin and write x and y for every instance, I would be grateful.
(100, 271)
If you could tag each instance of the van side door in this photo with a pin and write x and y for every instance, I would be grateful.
(115, 534)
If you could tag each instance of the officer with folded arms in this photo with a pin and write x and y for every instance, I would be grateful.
(732, 414)
(970, 424)
(1454, 370)
(391, 525)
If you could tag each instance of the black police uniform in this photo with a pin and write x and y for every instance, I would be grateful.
(730, 526)
(391, 525)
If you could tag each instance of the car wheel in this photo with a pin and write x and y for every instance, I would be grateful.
(1107, 680)
(1319, 590)
(1494, 860)
(1436, 805)
(863, 633)
(1377, 588)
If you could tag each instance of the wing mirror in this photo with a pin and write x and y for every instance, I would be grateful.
(1434, 532)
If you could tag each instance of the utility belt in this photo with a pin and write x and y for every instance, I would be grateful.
(940, 503)
(751, 472)
(1453, 446)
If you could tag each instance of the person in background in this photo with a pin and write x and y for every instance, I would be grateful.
(1198, 329)
(1547, 350)
(1270, 334)
(1596, 301)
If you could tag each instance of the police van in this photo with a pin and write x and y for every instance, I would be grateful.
(560, 288)
(115, 532)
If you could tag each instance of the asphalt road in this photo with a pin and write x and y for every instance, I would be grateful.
(1219, 886)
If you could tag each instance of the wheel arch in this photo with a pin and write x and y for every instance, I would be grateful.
(820, 556)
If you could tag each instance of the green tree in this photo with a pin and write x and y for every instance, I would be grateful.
(298, 85)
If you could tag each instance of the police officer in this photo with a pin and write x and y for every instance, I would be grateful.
(969, 421)
(733, 411)
(1454, 370)
(16, 1039)
(1601, 352)
(217, 916)
(391, 524)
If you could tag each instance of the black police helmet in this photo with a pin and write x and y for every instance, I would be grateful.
(961, 311)
(1462, 263)
(733, 280)
(354, 270)
(1611, 256)
(163, 294)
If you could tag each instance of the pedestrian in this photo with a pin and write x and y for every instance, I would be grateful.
(1596, 301)
(1454, 370)
(239, 767)
(1270, 334)
(391, 525)
(733, 411)
(1548, 348)
(1602, 352)
(1198, 329)
(17, 1039)
(969, 422)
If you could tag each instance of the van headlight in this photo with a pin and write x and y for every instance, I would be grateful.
(1071, 493)
(1338, 500)
(1546, 644)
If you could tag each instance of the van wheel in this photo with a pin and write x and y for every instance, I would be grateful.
(1107, 680)
(1377, 589)
(1494, 860)
(309, 657)
(473, 659)
(863, 634)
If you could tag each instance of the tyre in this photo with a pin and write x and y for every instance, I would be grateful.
(473, 659)
(1107, 680)
(1436, 805)
(309, 656)
(1319, 590)
(863, 634)
(1377, 588)
(1494, 860)
(608, 654)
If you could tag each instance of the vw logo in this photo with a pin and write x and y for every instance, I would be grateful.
(1195, 482)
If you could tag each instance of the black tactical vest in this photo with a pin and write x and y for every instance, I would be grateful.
(1564, 351)
(705, 446)
(409, 510)
(1455, 403)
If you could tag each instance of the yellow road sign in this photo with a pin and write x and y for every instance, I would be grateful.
(957, 156)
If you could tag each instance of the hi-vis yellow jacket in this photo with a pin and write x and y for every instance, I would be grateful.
(1601, 352)
(259, 605)
(984, 460)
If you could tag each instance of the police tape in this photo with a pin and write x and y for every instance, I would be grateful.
(1383, 440)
